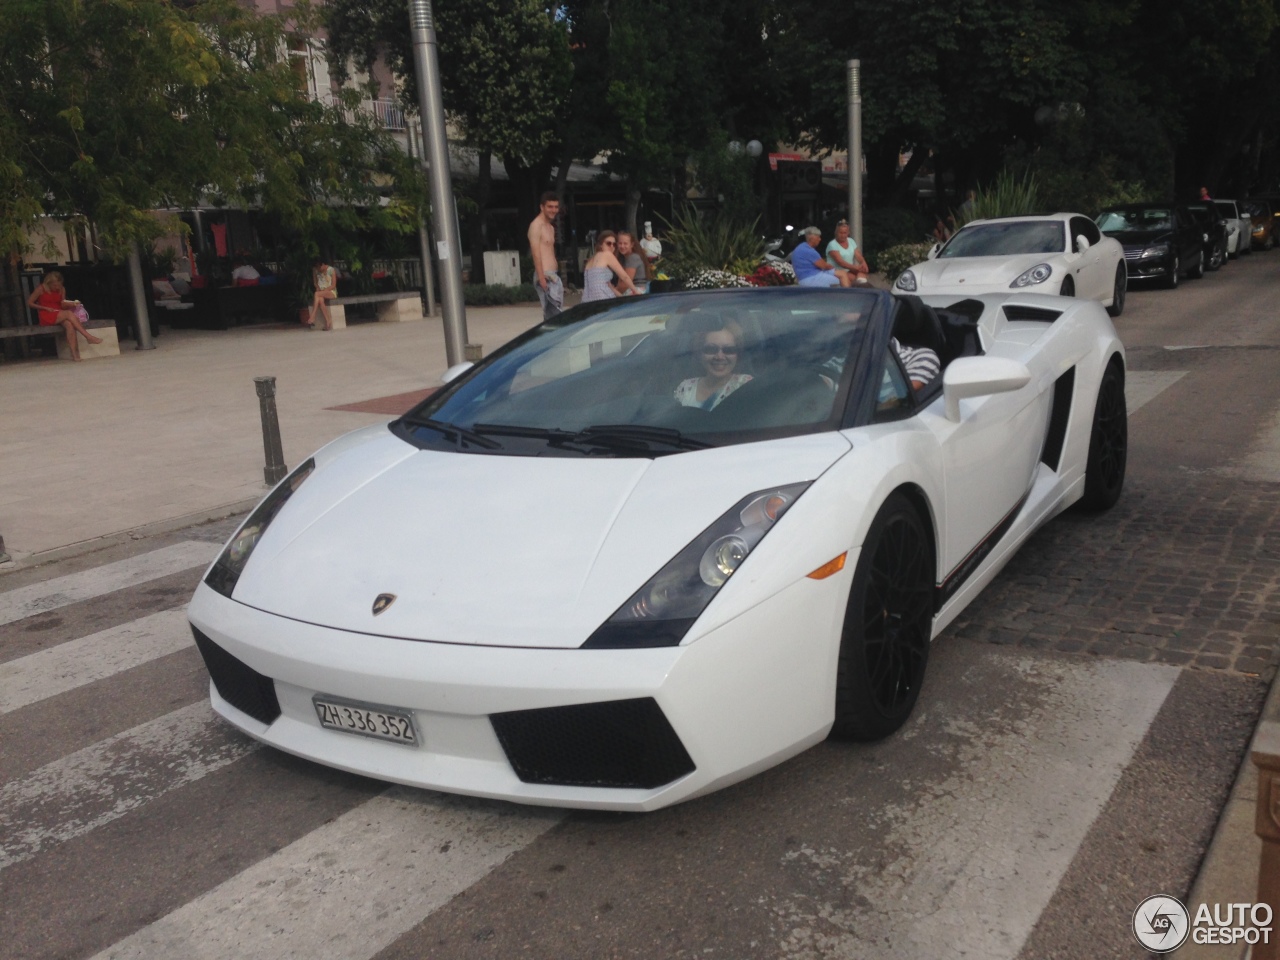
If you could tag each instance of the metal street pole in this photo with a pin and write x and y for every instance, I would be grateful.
(443, 211)
(854, 68)
(424, 236)
(141, 321)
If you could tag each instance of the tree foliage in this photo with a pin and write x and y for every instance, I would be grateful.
(110, 109)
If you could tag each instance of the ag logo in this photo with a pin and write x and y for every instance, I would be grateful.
(383, 601)
(1161, 923)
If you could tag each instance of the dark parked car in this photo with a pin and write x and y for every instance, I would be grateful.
(1215, 231)
(1266, 221)
(1160, 241)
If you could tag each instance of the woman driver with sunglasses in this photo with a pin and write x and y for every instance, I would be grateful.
(719, 354)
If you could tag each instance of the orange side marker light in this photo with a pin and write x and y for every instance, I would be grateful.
(829, 568)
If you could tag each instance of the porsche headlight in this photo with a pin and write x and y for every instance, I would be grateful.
(1037, 274)
(1159, 250)
(906, 281)
(661, 612)
(224, 574)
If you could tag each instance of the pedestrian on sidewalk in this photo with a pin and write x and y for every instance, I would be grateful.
(54, 309)
(843, 254)
(602, 265)
(542, 247)
(633, 261)
(325, 279)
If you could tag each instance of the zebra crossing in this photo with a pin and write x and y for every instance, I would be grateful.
(212, 846)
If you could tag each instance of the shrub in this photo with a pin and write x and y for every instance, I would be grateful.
(896, 259)
(496, 295)
(710, 243)
(713, 279)
(885, 227)
(1007, 197)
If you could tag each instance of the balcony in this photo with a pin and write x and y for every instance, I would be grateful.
(386, 111)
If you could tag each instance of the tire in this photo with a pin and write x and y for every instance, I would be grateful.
(884, 646)
(1068, 288)
(1108, 444)
(1171, 281)
(1216, 258)
(1197, 272)
(1119, 290)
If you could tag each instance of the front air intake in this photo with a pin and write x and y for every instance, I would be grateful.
(618, 743)
(237, 683)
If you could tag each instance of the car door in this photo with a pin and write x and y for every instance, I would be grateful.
(989, 461)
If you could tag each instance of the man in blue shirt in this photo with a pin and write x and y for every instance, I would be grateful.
(811, 269)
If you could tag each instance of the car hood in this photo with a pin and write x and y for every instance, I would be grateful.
(1142, 238)
(978, 274)
(497, 550)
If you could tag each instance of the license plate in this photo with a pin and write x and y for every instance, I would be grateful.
(365, 719)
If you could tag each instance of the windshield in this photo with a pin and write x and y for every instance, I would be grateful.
(649, 376)
(1129, 221)
(1003, 239)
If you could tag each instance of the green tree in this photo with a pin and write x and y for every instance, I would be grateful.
(111, 109)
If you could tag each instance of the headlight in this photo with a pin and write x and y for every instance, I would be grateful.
(1037, 274)
(1159, 250)
(224, 574)
(906, 281)
(661, 612)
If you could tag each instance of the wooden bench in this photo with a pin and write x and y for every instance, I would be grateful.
(106, 329)
(395, 307)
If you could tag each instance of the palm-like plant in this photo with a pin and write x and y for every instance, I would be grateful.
(715, 242)
(1007, 197)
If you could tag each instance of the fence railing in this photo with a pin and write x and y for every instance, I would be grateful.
(386, 111)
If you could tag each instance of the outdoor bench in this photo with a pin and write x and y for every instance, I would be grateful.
(393, 307)
(106, 329)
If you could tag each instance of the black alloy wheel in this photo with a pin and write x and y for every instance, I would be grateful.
(1197, 272)
(1175, 270)
(1118, 290)
(888, 624)
(1108, 443)
(1068, 288)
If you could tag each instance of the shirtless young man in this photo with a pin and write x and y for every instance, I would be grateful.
(542, 246)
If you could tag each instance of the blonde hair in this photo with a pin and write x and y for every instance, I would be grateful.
(55, 277)
(729, 326)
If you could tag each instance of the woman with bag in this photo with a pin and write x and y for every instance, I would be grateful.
(54, 309)
(325, 280)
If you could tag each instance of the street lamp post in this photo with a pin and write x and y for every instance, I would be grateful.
(854, 68)
(443, 210)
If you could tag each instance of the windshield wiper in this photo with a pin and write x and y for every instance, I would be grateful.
(550, 434)
(452, 432)
(634, 434)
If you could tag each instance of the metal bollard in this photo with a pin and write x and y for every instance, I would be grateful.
(4, 557)
(1266, 757)
(275, 469)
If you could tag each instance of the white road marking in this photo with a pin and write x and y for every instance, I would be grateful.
(1143, 386)
(972, 862)
(348, 889)
(74, 587)
(75, 663)
(80, 792)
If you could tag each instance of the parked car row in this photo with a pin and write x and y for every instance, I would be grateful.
(1073, 256)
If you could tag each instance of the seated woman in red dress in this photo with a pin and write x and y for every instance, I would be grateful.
(54, 309)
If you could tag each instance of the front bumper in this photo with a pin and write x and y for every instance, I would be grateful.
(740, 699)
(1148, 268)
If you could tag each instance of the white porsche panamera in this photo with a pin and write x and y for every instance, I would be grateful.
(1064, 254)
(659, 544)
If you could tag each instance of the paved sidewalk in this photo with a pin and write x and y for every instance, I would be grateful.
(96, 448)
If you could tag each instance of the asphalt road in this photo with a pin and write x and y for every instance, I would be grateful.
(1075, 741)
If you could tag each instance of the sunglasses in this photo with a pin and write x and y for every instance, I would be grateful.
(710, 351)
(609, 243)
